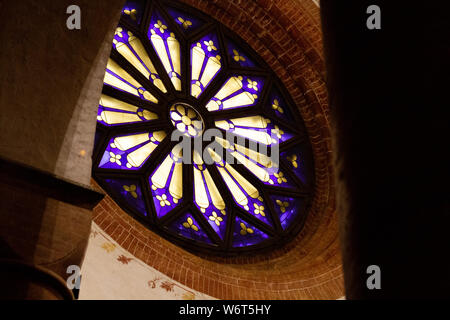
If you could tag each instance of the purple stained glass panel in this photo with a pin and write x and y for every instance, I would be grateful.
(238, 56)
(187, 22)
(300, 161)
(245, 234)
(188, 227)
(278, 106)
(163, 199)
(277, 132)
(258, 209)
(287, 209)
(117, 158)
(132, 11)
(130, 191)
(215, 217)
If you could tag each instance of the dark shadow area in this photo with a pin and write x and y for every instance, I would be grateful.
(389, 101)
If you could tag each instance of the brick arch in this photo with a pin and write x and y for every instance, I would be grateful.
(286, 34)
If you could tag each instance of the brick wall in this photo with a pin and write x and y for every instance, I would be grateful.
(286, 34)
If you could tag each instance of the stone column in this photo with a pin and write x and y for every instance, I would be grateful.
(50, 84)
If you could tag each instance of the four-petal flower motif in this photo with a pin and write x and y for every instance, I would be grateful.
(210, 45)
(132, 13)
(245, 230)
(280, 177)
(159, 25)
(118, 32)
(237, 57)
(163, 200)
(189, 224)
(278, 132)
(115, 158)
(108, 246)
(252, 84)
(215, 218)
(185, 23)
(123, 259)
(283, 205)
(259, 210)
(186, 120)
(276, 106)
(293, 159)
(131, 189)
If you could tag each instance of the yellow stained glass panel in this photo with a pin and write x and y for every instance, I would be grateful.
(137, 157)
(132, 86)
(128, 142)
(112, 103)
(212, 67)
(111, 117)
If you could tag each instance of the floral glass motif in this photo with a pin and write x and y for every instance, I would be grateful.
(278, 106)
(167, 182)
(287, 209)
(237, 92)
(238, 56)
(188, 227)
(245, 234)
(186, 120)
(167, 47)
(129, 190)
(187, 22)
(132, 11)
(112, 111)
(207, 197)
(256, 128)
(300, 162)
(129, 152)
(150, 92)
(205, 63)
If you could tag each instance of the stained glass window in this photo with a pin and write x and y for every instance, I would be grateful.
(197, 137)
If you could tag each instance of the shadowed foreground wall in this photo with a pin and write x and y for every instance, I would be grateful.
(51, 78)
(389, 100)
(50, 84)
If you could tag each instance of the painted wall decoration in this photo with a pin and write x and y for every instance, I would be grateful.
(111, 272)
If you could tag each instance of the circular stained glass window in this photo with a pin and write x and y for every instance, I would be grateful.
(196, 136)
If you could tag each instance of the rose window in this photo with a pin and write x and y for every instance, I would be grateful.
(196, 137)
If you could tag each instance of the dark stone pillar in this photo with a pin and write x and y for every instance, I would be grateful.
(388, 91)
(50, 84)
